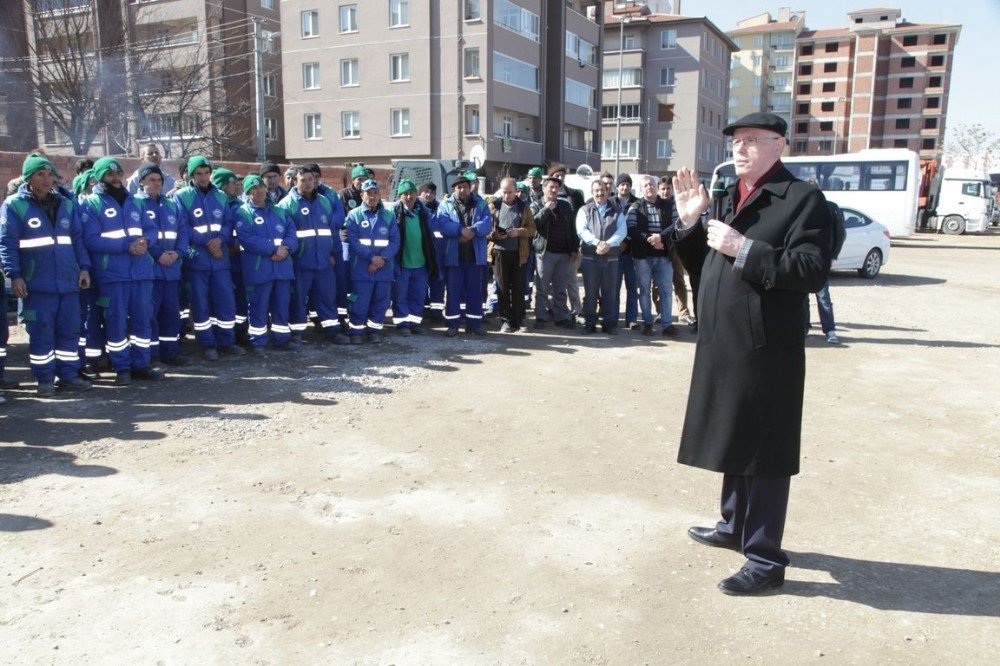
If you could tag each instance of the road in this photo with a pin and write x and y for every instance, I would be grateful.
(514, 500)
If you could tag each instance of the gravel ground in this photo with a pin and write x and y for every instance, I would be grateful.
(513, 499)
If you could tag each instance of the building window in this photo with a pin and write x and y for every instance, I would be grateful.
(902, 123)
(631, 77)
(349, 75)
(270, 129)
(267, 4)
(930, 123)
(805, 88)
(934, 82)
(803, 107)
(801, 128)
(514, 72)
(310, 24)
(628, 43)
(805, 70)
(757, 60)
(908, 61)
(801, 147)
(471, 119)
(314, 127)
(937, 61)
(826, 126)
(629, 113)
(350, 123)
(580, 50)
(829, 67)
(664, 149)
(627, 148)
(310, 75)
(271, 85)
(668, 77)
(756, 100)
(472, 63)
(829, 86)
(806, 50)
(472, 10)
(579, 93)
(400, 122)
(665, 113)
(928, 144)
(933, 103)
(904, 103)
(668, 39)
(756, 81)
(399, 13)
(399, 67)
(758, 40)
(826, 145)
(517, 19)
(940, 39)
(826, 106)
(900, 143)
(781, 62)
(348, 18)
(909, 40)
(906, 82)
(832, 47)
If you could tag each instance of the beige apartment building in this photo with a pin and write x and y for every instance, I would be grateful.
(762, 72)
(674, 86)
(509, 84)
(881, 82)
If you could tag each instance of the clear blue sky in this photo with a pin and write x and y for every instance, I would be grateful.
(975, 86)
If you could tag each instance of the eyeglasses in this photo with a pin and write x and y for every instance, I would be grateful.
(749, 142)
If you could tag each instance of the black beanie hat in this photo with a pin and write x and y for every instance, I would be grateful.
(149, 168)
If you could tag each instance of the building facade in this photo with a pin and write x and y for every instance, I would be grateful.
(506, 83)
(673, 86)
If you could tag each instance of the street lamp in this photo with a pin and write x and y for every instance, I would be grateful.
(627, 18)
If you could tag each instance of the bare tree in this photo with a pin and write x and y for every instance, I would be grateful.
(974, 147)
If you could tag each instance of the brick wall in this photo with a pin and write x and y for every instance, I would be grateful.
(336, 177)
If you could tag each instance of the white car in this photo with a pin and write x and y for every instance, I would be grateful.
(866, 246)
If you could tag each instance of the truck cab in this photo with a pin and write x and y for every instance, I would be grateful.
(961, 203)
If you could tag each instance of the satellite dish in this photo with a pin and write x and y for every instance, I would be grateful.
(584, 170)
(478, 155)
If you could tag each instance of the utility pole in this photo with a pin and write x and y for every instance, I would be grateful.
(258, 67)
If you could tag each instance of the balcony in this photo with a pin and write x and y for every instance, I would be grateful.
(510, 149)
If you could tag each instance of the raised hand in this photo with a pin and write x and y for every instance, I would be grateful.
(690, 196)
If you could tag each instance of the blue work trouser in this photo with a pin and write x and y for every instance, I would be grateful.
(128, 323)
(268, 307)
(166, 320)
(213, 307)
(410, 291)
(367, 310)
(465, 283)
(317, 288)
(53, 324)
(342, 272)
(660, 270)
(92, 337)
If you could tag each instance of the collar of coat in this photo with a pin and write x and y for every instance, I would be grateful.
(778, 183)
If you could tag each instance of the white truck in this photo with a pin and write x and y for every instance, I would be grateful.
(960, 201)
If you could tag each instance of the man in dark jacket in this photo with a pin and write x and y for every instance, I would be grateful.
(626, 266)
(744, 412)
(416, 260)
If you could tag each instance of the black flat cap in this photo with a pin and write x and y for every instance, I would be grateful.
(766, 121)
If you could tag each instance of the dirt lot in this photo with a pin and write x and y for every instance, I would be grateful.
(514, 500)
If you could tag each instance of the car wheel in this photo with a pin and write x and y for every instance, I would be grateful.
(953, 225)
(872, 265)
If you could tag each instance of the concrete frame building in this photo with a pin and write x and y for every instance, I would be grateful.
(675, 87)
(507, 83)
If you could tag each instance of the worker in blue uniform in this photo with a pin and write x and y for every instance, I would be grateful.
(374, 240)
(341, 269)
(267, 239)
(118, 234)
(168, 251)
(228, 183)
(464, 220)
(42, 252)
(207, 276)
(317, 228)
(416, 261)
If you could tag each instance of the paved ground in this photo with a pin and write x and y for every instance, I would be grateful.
(514, 500)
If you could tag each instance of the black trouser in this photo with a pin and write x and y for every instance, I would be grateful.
(753, 511)
(510, 274)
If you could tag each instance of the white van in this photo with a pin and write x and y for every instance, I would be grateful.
(962, 202)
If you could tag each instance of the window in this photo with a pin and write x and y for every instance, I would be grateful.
(826, 126)
(883, 176)
(757, 60)
(972, 189)
(906, 82)
(580, 49)
(909, 40)
(829, 86)
(631, 77)
(668, 39)
(399, 67)
(806, 50)
(267, 4)
(472, 63)
(270, 85)
(270, 129)
(310, 24)
(630, 113)
(803, 107)
(805, 88)
(933, 102)
(908, 61)
(801, 146)
(627, 148)
(348, 18)
(733, 82)
(904, 103)
(826, 106)
(310, 75)
(472, 10)
(399, 13)
(314, 127)
(826, 145)
(930, 123)
(514, 72)
(902, 123)
(934, 82)
(664, 149)
(937, 61)
(668, 77)
(350, 123)
(579, 93)
(781, 62)
(832, 47)
(665, 113)
(801, 128)
(900, 143)
(400, 122)
(940, 39)
(928, 144)
(805, 70)
(829, 67)
(758, 40)
(756, 81)
(517, 19)
(756, 100)
(349, 73)
(472, 119)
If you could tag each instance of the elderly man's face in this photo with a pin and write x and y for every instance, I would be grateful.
(599, 190)
(649, 190)
(152, 184)
(462, 191)
(257, 194)
(755, 151)
(508, 190)
(371, 198)
(551, 190)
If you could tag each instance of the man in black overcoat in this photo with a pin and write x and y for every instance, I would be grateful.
(768, 251)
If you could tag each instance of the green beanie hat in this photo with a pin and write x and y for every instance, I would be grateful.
(406, 186)
(222, 177)
(252, 181)
(536, 172)
(103, 166)
(80, 182)
(35, 163)
(471, 175)
(360, 171)
(195, 162)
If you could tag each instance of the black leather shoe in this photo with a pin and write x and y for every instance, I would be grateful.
(711, 537)
(746, 582)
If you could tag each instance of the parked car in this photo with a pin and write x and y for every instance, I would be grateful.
(866, 245)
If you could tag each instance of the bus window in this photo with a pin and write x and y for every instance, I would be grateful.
(841, 176)
(803, 171)
(885, 176)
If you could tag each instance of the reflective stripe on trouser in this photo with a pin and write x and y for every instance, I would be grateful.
(53, 325)
(128, 318)
(269, 305)
(465, 285)
(371, 300)
(317, 288)
(92, 324)
(410, 291)
(242, 305)
(342, 271)
(213, 307)
(166, 319)
(435, 291)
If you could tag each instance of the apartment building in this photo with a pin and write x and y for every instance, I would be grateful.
(17, 109)
(111, 76)
(671, 75)
(762, 72)
(509, 84)
(881, 82)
